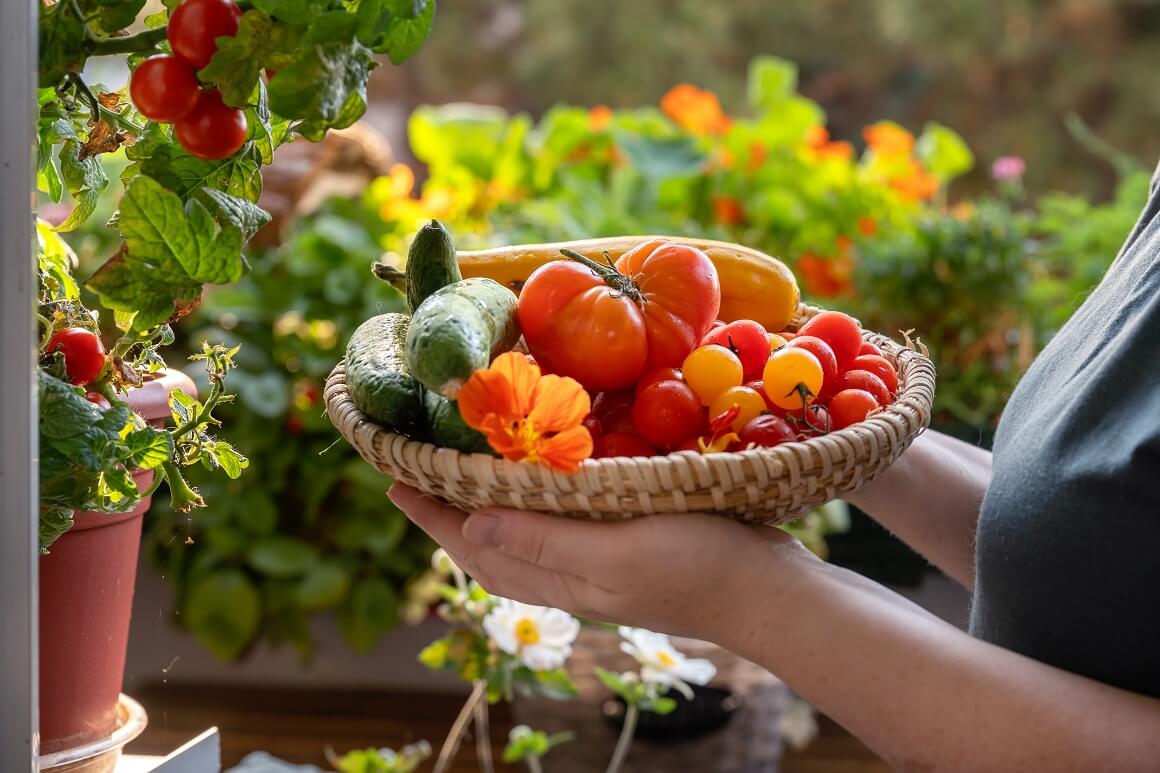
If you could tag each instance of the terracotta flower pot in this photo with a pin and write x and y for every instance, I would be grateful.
(86, 593)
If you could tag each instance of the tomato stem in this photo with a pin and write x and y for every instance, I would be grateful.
(129, 44)
(620, 283)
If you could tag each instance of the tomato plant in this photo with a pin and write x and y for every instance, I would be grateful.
(604, 324)
(767, 431)
(667, 413)
(792, 378)
(861, 379)
(712, 369)
(851, 406)
(841, 331)
(212, 130)
(745, 338)
(164, 89)
(195, 26)
(84, 354)
(880, 367)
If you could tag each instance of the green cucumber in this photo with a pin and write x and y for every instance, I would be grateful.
(431, 263)
(378, 378)
(448, 429)
(458, 330)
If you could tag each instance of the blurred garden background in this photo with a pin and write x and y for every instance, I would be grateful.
(963, 170)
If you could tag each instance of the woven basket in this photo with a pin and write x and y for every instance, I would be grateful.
(764, 485)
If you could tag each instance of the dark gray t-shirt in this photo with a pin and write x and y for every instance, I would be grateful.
(1068, 545)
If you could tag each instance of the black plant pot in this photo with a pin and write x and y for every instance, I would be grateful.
(708, 711)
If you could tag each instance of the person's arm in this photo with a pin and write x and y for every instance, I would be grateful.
(930, 499)
(922, 694)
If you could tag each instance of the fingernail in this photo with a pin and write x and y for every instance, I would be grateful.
(482, 529)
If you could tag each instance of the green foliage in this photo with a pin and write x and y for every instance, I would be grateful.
(526, 743)
(647, 696)
(406, 760)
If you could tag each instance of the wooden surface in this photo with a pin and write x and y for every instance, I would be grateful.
(299, 725)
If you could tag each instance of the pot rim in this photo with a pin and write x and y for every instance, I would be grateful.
(131, 722)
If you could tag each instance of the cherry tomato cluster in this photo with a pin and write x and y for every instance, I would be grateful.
(165, 88)
(742, 386)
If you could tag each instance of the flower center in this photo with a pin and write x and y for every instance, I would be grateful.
(526, 632)
(665, 659)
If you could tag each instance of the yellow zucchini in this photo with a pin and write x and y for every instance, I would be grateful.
(753, 285)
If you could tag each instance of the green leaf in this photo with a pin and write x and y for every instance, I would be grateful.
(182, 407)
(223, 612)
(54, 521)
(296, 12)
(85, 179)
(662, 705)
(370, 612)
(283, 557)
(266, 394)
(149, 448)
(183, 243)
(325, 585)
(610, 680)
(325, 84)
(944, 152)
(155, 20)
(771, 80)
(662, 158)
(55, 261)
(259, 43)
(170, 165)
(62, 38)
(436, 655)
(108, 16)
(225, 457)
(556, 684)
(241, 213)
(404, 36)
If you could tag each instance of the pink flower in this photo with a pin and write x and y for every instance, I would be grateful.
(1008, 168)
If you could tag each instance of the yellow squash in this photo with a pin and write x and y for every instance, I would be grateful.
(753, 285)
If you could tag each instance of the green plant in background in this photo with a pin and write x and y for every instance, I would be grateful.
(309, 529)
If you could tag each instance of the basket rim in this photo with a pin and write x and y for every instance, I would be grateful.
(913, 397)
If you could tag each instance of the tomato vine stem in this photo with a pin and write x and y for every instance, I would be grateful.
(127, 44)
(620, 283)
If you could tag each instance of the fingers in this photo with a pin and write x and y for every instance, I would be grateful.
(583, 548)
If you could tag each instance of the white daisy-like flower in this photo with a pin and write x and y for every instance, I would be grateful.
(663, 664)
(540, 636)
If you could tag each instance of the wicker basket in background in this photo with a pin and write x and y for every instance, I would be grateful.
(763, 485)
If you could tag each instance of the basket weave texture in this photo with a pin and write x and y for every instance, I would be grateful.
(770, 486)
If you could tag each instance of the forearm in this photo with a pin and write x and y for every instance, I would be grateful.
(930, 499)
(923, 694)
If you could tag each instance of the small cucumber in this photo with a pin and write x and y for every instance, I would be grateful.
(458, 330)
(378, 378)
(448, 429)
(431, 263)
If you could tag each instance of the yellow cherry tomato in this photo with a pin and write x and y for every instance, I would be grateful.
(710, 370)
(750, 403)
(775, 341)
(792, 378)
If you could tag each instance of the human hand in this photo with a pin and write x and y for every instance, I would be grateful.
(678, 574)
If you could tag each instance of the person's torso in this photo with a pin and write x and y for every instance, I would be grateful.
(1068, 541)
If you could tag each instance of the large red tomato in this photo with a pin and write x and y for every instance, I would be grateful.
(603, 325)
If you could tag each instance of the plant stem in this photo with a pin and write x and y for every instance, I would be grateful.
(533, 765)
(182, 497)
(482, 736)
(455, 734)
(97, 110)
(625, 740)
(129, 44)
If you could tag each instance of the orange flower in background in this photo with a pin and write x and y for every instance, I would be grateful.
(438, 201)
(599, 118)
(867, 226)
(818, 140)
(964, 210)
(916, 185)
(526, 415)
(402, 180)
(694, 109)
(888, 138)
(827, 277)
(727, 210)
(757, 156)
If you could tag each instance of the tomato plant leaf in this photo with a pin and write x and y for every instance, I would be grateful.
(259, 43)
(108, 16)
(170, 165)
(296, 12)
(62, 38)
(225, 458)
(324, 85)
(85, 179)
(404, 36)
(238, 212)
(370, 612)
(148, 448)
(223, 611)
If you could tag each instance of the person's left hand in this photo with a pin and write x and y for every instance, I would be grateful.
(680, 574)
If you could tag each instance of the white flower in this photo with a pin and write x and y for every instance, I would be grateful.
(540, 636)
(442, 563)
(662, 663)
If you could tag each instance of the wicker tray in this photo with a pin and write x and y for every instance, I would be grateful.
(766, 485)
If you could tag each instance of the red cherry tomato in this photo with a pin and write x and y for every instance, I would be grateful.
(604, 326)
(826, 359)
(84, 354)
(667, 413)
(869, 348)
(97, 399)
(814, 421)
(195, 26)
(213, 129)
(164, 89)
(787, 336)
(592, 424)
(840, 331)
(618, 420)
(850, 406)
(625, 444)
(767, 431)
(745, 338)
(654, 375)
(605, 403)
(880, 367)
(863, 379)
(758, 386)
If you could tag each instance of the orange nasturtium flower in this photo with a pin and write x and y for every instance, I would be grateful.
(818, 140)
(526, 415)
(599, 117)
(916, 185)
(695, 110)
(827, 277)
(888, 138)
(727, 210)
(867, 226)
